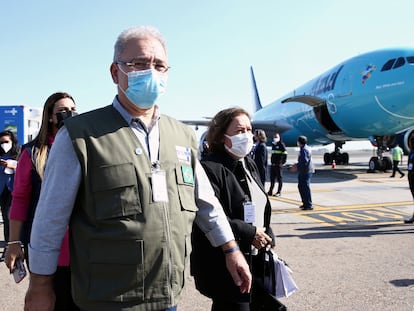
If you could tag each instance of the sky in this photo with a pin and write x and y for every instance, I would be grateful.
(52, 45)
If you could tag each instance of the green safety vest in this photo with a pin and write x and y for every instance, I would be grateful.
(127, 251)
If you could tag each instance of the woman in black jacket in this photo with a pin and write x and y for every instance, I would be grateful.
(260, 154)
(236, 182)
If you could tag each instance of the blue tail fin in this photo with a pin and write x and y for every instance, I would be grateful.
(257, 105)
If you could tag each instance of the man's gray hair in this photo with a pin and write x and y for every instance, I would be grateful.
(137, 32)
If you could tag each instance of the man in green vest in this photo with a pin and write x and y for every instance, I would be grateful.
(397, 154)
(127, 181)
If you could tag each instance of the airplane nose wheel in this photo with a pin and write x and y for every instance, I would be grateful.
(339, 158)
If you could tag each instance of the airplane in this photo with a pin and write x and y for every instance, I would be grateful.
(369, 96)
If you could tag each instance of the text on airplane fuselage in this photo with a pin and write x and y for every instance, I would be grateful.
(325, 83)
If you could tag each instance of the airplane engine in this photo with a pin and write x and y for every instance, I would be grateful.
(406, 138)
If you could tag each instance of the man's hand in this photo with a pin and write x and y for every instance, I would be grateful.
(40, 295)
(239, 270)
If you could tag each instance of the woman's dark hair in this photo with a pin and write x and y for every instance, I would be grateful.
(46, 128)
(15, 144)
(218, 127)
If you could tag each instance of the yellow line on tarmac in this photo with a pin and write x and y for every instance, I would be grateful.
(341, 207)
(294, 202)
(354, 214)
(372, 205)
(368, 216)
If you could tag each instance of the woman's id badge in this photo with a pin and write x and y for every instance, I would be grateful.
(249, 212)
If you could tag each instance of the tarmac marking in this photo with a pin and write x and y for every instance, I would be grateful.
(370, 205)
(313, 190)
(372, 181)
(348, 214)
(353, 206)
(374, 215)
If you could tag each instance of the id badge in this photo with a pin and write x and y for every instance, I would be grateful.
(159, 186)
(410, 166)
(249, 212)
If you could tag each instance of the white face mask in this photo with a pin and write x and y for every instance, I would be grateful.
(6, 147)
(241, 144)
(276, 140)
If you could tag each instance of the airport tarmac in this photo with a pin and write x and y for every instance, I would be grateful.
(352, 252)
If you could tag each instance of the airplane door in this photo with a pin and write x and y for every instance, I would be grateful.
(344, 85)
(324, 118)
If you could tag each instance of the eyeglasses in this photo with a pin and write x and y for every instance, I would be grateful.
(140, 65)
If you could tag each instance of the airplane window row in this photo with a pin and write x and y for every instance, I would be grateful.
(397, 62)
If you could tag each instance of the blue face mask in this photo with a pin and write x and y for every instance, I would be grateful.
(144, 87)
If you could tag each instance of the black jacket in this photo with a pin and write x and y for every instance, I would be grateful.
(207, 262)
(260, 158)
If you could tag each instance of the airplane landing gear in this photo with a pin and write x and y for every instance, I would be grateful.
(337, 156)
(379, 163)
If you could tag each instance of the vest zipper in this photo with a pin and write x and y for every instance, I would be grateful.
(168, 240)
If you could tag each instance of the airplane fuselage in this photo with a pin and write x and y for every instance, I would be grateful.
(366, 96)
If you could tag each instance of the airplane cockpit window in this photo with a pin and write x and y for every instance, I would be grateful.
(400, 62)
(388, 65)
(396, 63)
(410, 59)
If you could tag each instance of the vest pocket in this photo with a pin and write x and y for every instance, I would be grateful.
(115, 191)
(116, 270)
(185, 187)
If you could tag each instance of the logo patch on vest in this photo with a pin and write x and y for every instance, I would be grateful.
(183, 154)
(188, 176)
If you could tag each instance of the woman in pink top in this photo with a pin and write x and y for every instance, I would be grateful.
(26, 191)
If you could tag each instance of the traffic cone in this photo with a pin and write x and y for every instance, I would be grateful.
(333, 164)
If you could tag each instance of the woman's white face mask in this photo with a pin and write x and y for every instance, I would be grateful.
(241, 144)
(6, 147)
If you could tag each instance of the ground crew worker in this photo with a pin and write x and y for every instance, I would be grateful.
(278, 158)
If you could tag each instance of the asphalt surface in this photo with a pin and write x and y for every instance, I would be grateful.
(352, 252)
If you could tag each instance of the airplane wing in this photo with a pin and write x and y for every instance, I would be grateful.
(271, 127)
(197, 123)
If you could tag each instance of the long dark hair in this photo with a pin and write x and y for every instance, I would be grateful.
(46, 129)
